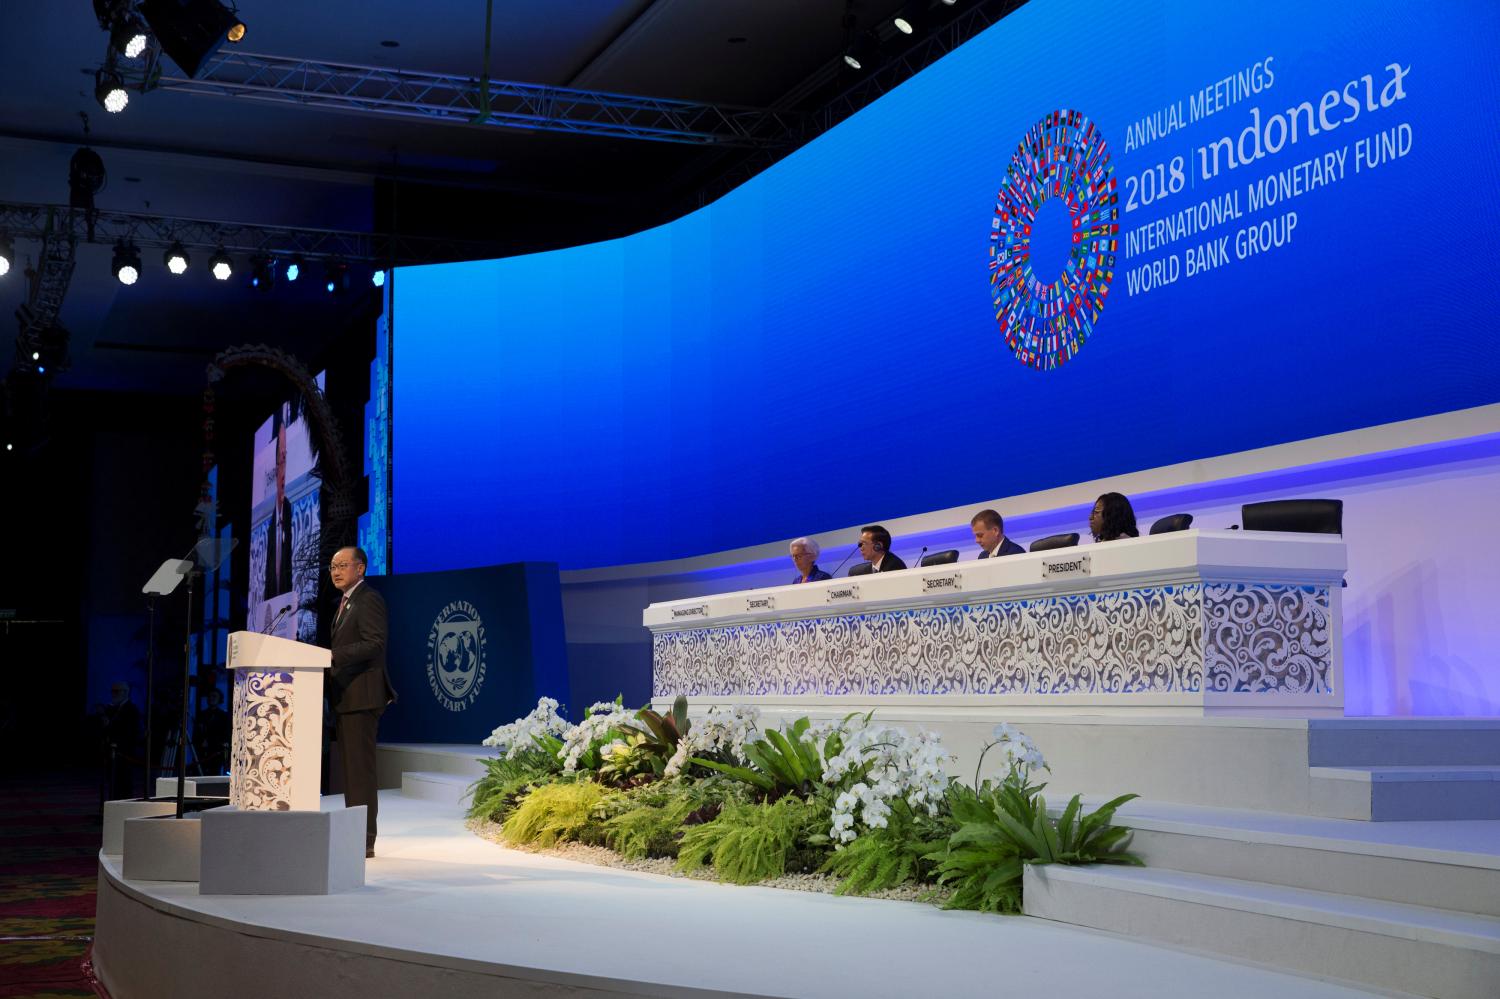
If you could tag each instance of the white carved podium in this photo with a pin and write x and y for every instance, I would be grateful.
(276, 761)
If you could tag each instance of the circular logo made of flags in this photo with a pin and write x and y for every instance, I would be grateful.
(1047, 319)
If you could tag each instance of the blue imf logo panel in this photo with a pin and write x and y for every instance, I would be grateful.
(469, 646)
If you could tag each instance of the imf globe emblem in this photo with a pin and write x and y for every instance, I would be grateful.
(455, 655)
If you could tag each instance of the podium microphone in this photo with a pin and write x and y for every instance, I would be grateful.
(918, 563)
(271, 629)
(846, 558)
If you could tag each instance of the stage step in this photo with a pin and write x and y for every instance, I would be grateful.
(1444, 865)
(1403, 742)
(1406, 793)
(1409, 948)
(392, 759)
(447, 789)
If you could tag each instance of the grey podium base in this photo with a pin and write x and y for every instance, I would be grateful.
(116, 812)
(194, 787)
(283, 853)
(162, 847)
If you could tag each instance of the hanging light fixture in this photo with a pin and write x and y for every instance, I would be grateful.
(127, 263)
(109, 90)
(221, 265)
(176, 259)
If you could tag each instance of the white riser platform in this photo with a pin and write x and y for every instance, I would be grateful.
(440, 788)
(1319, 766)
(1259, 763)
(392, 759)
(1381, 944)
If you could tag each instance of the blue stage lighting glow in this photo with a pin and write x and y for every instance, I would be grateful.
(378, 279)
(293, 271)
(1275, 261)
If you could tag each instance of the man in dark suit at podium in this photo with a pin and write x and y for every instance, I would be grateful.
(358, 687)
(875, 546)
(989, 535)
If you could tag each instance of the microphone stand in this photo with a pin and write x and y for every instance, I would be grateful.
(187, 663)
(150, 690)
(836, 569)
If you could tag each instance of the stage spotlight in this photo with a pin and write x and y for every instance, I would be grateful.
(909, 18)
(127, 263)
(7, 254)
(221, 265)
(378, 279)
(861, 50)
(262, 273)
(129, 37)
(293, 269)
(335, 276)
(109, 90)
(36, 355)
(189, 31)
(176, 259)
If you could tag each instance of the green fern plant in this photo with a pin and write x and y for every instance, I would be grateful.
(556, 813)
(505, 782)
(650, 825)
(887, 857)
(748, 843)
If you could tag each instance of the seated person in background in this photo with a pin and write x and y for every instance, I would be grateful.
(989, 535)
(875, 546)
(1112, 519)
(211, 734)
(805, 557)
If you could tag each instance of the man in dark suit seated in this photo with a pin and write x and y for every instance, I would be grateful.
(358, 687)
(875, 546)
(805, 553)
(989, 535)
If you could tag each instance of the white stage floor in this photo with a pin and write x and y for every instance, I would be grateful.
(450, 914)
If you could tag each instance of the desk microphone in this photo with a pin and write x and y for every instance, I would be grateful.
(918, 563)
(846, 558)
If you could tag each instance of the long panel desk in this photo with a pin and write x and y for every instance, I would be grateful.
(1194, 623)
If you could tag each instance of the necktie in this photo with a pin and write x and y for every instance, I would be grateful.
(343, 605)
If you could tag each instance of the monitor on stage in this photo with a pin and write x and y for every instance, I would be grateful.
(285, 531)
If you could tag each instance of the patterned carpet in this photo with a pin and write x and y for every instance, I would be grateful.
(49, 845)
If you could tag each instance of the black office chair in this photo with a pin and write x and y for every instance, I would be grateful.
(1174, 522)
(1055, 541)
(940, 558)
(1303, 516)
(863, 569)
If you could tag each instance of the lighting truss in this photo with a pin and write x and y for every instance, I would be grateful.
(50, 222)
(49, 281)
(466, 100)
